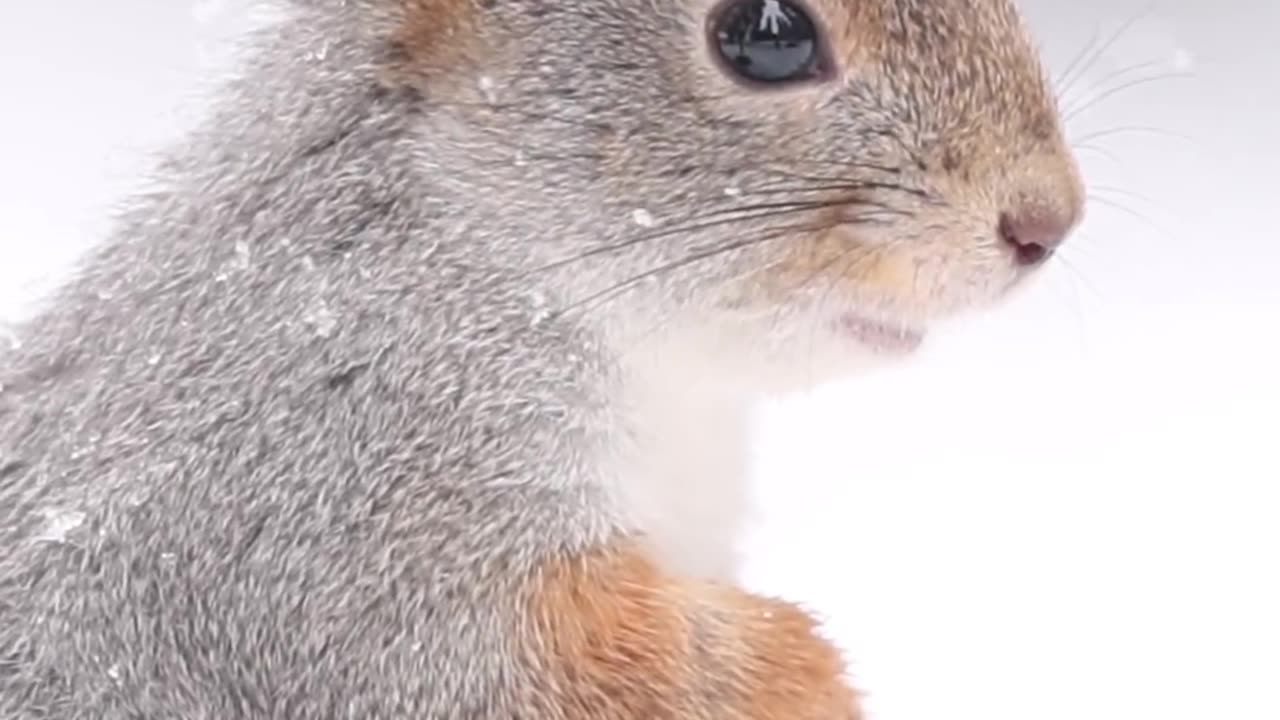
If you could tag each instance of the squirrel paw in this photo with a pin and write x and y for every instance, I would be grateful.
(617, 638)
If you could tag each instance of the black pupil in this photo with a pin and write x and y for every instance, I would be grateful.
(768, 40)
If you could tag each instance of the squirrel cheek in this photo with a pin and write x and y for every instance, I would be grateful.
(839, 260)
(887, 274)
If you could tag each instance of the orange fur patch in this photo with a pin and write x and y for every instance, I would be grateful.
(834, 257)
(435, 36)
(619, 639)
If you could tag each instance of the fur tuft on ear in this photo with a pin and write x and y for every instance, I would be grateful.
(434, 41)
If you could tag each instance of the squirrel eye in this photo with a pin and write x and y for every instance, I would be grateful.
(766, 41)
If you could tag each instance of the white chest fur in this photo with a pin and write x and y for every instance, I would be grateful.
(688, 396)
(684, 479)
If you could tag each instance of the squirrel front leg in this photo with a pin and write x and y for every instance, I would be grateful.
(615, 637)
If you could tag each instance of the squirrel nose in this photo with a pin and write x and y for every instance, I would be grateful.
(1034, 233)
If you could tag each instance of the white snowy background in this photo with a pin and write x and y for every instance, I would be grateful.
(1067, 508)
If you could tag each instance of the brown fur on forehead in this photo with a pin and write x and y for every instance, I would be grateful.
(962, 65)
(433, 39)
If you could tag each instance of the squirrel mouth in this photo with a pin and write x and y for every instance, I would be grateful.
(895, 338)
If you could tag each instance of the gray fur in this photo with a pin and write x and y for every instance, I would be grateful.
(292, 440)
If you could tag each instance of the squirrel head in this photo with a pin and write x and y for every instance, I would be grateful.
(851, 168)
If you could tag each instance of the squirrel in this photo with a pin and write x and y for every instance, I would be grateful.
(417, 388)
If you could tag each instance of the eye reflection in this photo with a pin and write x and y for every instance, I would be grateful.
(769, 41)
